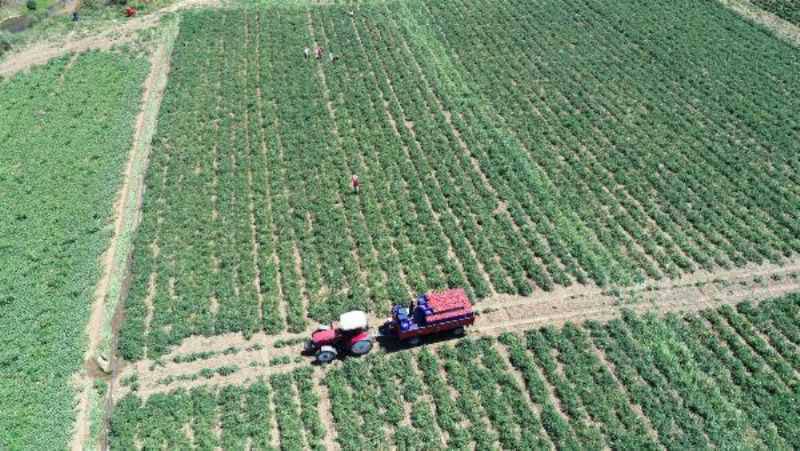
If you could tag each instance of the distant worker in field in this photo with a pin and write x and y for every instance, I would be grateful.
(75, 16)
(354, 181)
(333, 57)
(306, 52)
(318, 52)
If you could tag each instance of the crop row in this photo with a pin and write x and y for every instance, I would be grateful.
(487, 159)
(723, 378)
(279, 412)
(633, 140)
(637, 383)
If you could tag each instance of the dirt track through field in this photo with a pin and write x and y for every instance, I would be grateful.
(113, 34)
(126, 218)
(784, 29)
(499, 314)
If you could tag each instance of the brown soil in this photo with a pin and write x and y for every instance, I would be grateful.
(326, 413)
(153, 90)
(117, 32)
(783, 29)
(687, 294)
(499, 314)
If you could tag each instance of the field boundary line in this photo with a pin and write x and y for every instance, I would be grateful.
(784, 29)
(111, 287)
(112, 34)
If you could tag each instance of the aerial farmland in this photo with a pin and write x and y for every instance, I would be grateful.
(401, 224)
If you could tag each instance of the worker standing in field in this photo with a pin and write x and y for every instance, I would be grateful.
(318, 52)
(306, 52)
(354, 181)
(333, 58)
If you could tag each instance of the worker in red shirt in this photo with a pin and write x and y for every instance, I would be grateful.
(318, 52)
(355, 183)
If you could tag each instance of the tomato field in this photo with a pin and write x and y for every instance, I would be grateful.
(506, 147)
(65, 132)
(724, 378)
(583, 169)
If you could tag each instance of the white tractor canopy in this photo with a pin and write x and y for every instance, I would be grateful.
(353, 320)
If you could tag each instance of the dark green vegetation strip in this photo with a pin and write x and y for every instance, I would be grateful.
(724, 378)
(65, 134)
(785, 9)
(505, 146)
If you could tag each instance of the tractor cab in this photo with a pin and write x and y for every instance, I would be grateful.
(349, 334)
(354, 321)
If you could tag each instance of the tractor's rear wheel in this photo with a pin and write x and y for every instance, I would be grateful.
(361, 347)
(413, 341)
(458, 332)
(326, 354)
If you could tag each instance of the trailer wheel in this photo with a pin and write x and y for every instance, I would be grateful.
(458, 331)
(413, 341)
(361, 347)
(326, 354)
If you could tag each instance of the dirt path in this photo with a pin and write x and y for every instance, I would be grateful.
(115, 33)
(499, 314)
(688, 294)
(785, 30)
(126, 218)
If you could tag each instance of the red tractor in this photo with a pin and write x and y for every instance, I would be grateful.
(429, 314)
(349, 335)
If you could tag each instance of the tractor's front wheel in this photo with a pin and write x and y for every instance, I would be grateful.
(361, 347)
(326, 354)
(414, 341)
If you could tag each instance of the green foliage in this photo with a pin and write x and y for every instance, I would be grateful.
(507, 148)
(785, 9)
(281, 360)
(289, 342)
(724, 378)
(64, 137)
(191, 357)
(31, 5)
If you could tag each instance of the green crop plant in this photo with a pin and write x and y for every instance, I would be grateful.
(65, 133)
(724, 377)
(504, 146)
